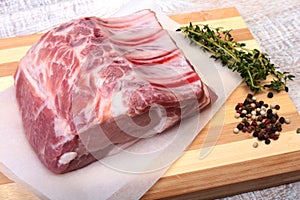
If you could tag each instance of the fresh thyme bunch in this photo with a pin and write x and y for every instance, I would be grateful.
(253, 65)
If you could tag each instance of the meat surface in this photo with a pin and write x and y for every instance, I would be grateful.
(92, 84)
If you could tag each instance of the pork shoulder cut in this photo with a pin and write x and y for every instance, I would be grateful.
(91, 84)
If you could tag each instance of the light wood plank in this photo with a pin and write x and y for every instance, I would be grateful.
(4, 180)
(8, 69)
(27, 40)
(227, 23)
(13, 54)
(6, 82)
(14, 191)
(222, 13)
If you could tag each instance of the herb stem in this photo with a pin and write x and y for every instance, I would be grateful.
(251, 80)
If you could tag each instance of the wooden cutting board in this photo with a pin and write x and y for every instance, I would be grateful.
(229, 164)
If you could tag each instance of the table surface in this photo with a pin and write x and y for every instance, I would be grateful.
(274, 24)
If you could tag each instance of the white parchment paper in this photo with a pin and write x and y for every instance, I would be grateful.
(129, 174)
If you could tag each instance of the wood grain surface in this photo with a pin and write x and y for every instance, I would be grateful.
(230, 164)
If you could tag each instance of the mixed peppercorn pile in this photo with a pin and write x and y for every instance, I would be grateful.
(259, 118)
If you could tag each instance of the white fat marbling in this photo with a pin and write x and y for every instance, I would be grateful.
(66, 158)
(118, 108)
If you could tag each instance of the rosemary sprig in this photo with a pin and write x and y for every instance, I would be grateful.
(253, 65)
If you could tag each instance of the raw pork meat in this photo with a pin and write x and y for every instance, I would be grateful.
(91, 84)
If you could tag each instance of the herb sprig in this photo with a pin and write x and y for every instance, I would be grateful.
(253, 65)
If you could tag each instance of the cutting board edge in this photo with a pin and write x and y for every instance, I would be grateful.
(269, 179)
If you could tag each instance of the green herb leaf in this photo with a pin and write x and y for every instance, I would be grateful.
(254, 66)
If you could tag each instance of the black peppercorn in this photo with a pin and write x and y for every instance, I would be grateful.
(255, 134)
(269, 115)
(250, 129)
(281, 120)
(266, 105)
(286, 89)
(273, 129)
(240, 126)
(273, 119)
(277, 107)
(267, 141)
(254, 123)
(247, 123)
(261, 103)
(261, 137)
(270, 94)
(249, 96)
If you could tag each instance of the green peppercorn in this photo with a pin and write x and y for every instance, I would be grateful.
(279, 128)
(262, 125)
(259, 118)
